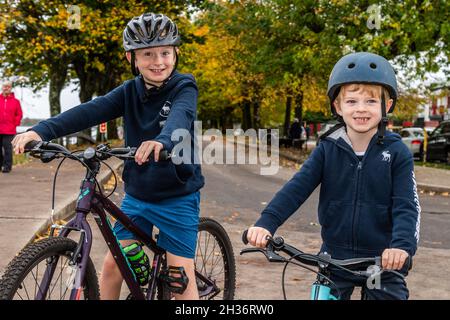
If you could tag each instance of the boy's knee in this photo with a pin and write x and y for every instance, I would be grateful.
(110, 265)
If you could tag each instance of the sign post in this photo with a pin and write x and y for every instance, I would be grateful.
(102, 130)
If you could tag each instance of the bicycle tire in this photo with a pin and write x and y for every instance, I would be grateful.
(215, 229)
(32, 255)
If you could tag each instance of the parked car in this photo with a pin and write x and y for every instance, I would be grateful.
(324, 127)
(429, 130)
(413, 138)
(439, 143)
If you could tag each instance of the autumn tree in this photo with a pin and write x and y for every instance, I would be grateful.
(53, 42)
(291, 42)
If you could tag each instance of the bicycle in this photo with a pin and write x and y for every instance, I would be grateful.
(321, 289)
(66, 264)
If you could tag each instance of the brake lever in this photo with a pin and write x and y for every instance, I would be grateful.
(270, 254)
(48, 156)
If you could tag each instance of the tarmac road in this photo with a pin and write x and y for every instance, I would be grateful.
(235, 195)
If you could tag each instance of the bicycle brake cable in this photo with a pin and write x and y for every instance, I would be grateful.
(115, 178)
(54, 190)
(65, 156)
(307, 268)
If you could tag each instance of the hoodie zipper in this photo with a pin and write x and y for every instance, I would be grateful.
(356, 198)
(356, 206)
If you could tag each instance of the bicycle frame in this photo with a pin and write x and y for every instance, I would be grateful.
(91, 201)
(88, 201)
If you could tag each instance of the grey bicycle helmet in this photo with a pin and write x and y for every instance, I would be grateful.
(365, 68)
(362, 67)
(150, 30)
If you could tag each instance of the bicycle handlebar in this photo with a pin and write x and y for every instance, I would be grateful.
(322, 260)
(48, 151)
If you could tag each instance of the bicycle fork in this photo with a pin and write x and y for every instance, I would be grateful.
(77, 264)
(80, 256)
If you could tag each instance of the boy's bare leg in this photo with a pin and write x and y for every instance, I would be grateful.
(111, 279)
(191, 292)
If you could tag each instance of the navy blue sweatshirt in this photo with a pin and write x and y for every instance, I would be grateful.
(365, 205)
(147, 115)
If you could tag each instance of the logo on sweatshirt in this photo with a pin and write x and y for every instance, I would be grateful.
(165, 110)
(386, 156)
(164, 113)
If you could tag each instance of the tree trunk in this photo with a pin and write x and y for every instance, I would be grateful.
(57, 75)
(87, 84)
(299, 107)
(108, 81)
(256, 117)
(246, 116)
(287, 116)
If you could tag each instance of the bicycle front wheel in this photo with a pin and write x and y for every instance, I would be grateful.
(214, 262)
(22, 279)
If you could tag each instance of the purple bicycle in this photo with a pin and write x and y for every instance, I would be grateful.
(59, 268)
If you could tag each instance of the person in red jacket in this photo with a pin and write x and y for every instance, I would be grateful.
(10, 117)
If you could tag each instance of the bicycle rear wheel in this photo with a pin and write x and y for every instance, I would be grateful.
(23, 275)
(215, 262)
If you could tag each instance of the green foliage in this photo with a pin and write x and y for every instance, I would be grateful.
(248, 56)
(291, 47)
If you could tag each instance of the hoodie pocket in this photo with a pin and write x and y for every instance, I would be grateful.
(156, 176)
(374, 227)
(336, 224)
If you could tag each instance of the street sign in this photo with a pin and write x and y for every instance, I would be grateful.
(102, 127)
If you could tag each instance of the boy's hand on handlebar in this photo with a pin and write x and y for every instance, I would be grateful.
(145, 149)
(22, 139)
(257, 236)
(393, 259)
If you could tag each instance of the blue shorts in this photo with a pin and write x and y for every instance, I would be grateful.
(176, 218)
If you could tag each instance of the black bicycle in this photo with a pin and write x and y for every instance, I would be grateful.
(60, 268)
(370, 268)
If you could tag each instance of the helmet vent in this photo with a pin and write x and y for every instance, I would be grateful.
(351, 65)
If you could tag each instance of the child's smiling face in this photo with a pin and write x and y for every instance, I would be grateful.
(156, 64)
(360, 107)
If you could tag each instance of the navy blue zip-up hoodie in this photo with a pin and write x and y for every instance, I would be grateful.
(365, 205)
(147, 116)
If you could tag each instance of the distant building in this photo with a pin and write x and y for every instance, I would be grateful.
(440, 103)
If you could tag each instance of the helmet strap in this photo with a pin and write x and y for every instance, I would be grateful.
(134, 69)
(384, 120)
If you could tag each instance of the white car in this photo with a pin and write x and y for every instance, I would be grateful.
(413, 138)
(325, 127)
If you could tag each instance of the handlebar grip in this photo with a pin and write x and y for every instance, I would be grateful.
(163, 155)
(120, 151)
(30, 145)
(244, 237)
(53, 147)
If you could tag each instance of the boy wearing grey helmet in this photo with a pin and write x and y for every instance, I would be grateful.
(156, 102)
(368, 204)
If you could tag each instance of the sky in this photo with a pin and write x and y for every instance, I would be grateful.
(36, 105)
